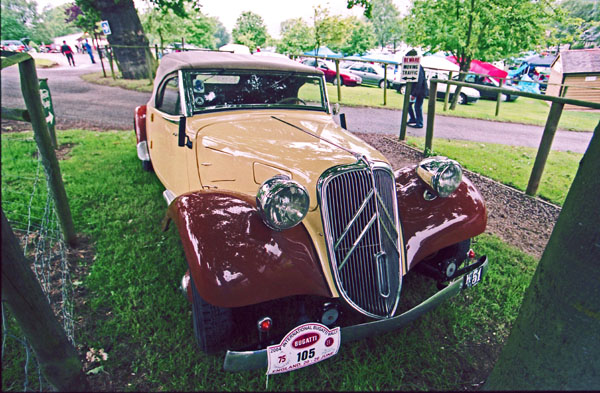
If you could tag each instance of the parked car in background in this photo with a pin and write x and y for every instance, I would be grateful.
(291, 219)
(371, 74)
(328, 68)
(13, 46)
(467, 94)
(490, 82)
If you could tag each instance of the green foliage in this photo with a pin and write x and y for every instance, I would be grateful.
(330, 30)
(250, 30)
(164, 26)
(20, 19)
(360, 39)
(579, 25)
(221, 34)
(296, 37)
(386, 22)
(471, 29)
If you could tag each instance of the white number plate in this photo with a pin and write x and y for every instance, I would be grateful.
(304, 346)
(473, 278)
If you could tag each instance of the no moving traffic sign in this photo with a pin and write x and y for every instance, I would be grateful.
(410, 68)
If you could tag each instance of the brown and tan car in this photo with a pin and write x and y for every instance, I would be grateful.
(276, 203)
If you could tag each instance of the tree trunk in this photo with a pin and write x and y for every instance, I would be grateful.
(23, 295)
(555, 341)
(127, 40)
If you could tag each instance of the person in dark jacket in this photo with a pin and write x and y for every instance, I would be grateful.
(418, 93)
(67, 51)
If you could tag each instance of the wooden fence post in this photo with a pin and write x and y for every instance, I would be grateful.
(544, 149)
(499, 98)
(407, 92)
(23, 295)
(446, 97)
(430, 117)
(339, 79)
(385, 84)
(33, 102)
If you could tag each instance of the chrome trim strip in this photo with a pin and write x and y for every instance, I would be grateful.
(236, 361)
(168, 195)
(358, 240)
(142, 151)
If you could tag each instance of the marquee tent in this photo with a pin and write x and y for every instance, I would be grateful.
(481, 67)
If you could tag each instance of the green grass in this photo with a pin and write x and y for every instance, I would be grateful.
(136, 313)
(511, 165)
(523, 110)
(45, 63)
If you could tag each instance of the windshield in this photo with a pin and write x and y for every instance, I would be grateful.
(231, 89)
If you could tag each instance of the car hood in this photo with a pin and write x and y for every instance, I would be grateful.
(240, 150)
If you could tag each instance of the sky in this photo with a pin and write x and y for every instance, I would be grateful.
(273, 12)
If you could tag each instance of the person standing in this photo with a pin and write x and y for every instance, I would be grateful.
(67, 51)
(419, 91)
(88, 49)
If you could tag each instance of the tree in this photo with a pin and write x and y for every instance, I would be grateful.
(386, 21)
(361, 38)
(330, 30)
(52, 23)
(475, 29)
(221, 35)
(164, 26)
(250, 30)
(17, 18)
(581, 24)
(296, 37)
(555, 341)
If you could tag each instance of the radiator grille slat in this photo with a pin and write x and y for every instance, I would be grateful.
(351, 199)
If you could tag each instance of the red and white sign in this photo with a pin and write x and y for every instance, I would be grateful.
(410, 68)
(304, 346)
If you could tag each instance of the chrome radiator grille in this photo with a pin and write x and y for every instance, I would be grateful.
(358, 206)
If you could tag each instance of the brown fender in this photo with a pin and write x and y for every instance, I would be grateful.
(429, 226)
(235, 259)
(139, 123)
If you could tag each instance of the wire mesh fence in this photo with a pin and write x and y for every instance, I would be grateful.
(29, 207)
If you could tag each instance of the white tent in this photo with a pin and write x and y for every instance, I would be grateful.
(235, 48)
(438, 63)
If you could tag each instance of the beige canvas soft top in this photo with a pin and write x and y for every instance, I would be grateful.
(225, 61)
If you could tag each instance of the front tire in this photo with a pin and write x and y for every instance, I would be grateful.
(462, 99)
(212, 324)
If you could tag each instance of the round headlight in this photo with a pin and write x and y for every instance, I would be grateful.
(442, 174)
(282, 202)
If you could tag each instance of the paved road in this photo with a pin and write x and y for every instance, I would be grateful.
(76, 101)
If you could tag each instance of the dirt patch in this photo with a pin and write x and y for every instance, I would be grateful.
(62, 152)
(518, 219)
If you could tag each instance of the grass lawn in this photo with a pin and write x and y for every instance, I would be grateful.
(134, 309)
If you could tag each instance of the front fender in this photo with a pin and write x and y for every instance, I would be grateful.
(429, 226)
(235, 259)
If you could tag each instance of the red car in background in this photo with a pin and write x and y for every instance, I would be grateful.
(13, 46)
(328, 69)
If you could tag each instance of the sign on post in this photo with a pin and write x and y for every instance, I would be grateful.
(410, 68)
(48, 108)
(105, 27)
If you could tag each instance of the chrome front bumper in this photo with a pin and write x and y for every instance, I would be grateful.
(236, 361)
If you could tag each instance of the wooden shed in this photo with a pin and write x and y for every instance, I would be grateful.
(579, 70)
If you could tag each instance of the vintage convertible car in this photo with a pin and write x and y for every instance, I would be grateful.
(274, 201)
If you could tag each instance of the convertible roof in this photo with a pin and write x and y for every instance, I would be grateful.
(226, 60)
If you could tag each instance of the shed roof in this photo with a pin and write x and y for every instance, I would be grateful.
(581, 61)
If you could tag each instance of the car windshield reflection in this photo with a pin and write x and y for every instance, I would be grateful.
(225, 90)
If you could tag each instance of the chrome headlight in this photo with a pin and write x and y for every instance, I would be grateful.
(282, 202)
(442, 174)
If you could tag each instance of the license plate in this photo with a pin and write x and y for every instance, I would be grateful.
(304, 346)
(473, 278)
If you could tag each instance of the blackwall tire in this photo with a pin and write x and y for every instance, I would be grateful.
(212, 324)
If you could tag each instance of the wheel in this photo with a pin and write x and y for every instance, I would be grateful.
(212, 324)
(334, 81)
(402, 89)
(462, 99)
(147, 166)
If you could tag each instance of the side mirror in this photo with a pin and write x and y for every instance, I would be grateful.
(335, 109)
